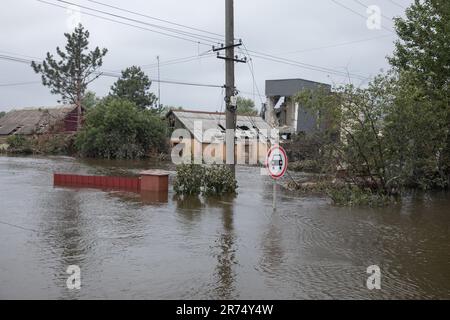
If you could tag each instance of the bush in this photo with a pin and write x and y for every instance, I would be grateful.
(193, 179)
(351, 195)
(117, 129)
(54, 144)
(19, 144)
(189, 179)
(219, 180)
(305, 166)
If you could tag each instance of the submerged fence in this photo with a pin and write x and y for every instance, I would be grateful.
(101, 182)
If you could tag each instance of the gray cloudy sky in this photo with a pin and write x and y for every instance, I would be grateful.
(284, 28)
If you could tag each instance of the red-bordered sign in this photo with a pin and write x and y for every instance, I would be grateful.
(277, 162)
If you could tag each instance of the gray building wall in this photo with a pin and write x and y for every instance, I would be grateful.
(306, 120)
(290, 87)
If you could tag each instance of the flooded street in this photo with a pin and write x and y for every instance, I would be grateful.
(129, 246)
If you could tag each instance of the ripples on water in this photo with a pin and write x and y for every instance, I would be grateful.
(129, 246)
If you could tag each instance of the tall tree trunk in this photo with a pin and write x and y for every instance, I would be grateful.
(78, 104)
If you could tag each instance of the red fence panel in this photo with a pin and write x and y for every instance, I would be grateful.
(122, 183)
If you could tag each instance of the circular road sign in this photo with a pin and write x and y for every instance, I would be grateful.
(277, 162)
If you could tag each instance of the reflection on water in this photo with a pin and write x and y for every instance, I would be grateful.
(161, 246)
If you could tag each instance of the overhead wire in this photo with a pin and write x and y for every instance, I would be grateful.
(117, 75)
(358, 14)
(218, 36)
(131, 25)
(173, 30)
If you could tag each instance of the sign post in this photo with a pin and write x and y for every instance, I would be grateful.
(277, 163)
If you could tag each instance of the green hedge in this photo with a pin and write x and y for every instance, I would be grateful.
(194, 179)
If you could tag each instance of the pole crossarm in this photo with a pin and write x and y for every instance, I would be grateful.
(223, 47)
(235, 59)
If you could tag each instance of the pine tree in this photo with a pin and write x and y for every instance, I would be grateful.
(134, 86)
(74, 71)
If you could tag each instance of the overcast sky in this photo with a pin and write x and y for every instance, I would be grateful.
(293, 29)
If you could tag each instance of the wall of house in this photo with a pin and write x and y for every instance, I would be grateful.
(245, 153)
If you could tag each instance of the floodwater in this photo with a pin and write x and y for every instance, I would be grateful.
(134, 247)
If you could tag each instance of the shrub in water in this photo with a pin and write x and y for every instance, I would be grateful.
(352, 195)
(189, 179)
(193, 179)
(219, 180)
(18, 144)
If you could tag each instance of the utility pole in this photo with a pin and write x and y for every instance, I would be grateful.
(159, 84)
(231, 92)
(230, 86)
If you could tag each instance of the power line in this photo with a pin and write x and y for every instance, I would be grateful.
(18, 84)
(298, 64)
(366, 6)
(195, 84)
(178, 61)
(159, 19)
(252, 71)
(397, 4)
(17, 226)
(15, 59)
(129, 24)
(337, 45)
(303, 65)
(117, 75)
(176, 31)
(358, 14)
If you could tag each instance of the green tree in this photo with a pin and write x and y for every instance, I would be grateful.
(134, 85)
(423, 51)
(246, 107)
(2, 114)
(118, 129)
(424, 43)
(392, 134)
(74, 71)
(90, 100)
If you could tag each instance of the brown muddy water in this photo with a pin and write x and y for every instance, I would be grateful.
(132, 247)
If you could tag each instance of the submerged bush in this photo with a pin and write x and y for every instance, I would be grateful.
(19, 144)
(54, 144)
(352, 195)
(219, 180)
(189, 179)
(305, 166)
(193, 179)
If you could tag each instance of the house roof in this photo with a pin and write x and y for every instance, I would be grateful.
(246, 126)
(32, 120)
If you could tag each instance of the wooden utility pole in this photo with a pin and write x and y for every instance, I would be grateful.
(230, 86)
(159, 85)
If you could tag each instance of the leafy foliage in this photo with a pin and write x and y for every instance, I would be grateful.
(54, 144)
(219, 180)
(423, 52)
(246, 107)
(193, 179)
(189, 179)
(90, 100)
(351, 195)
(2, 114)
(392, 134)
(424, 43)
(117, 129)
(134, 85)
(19, 144)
